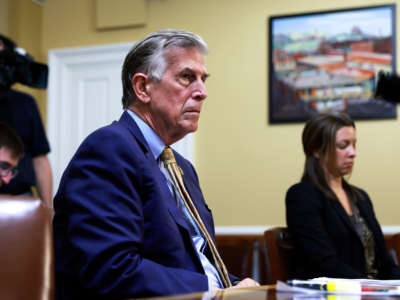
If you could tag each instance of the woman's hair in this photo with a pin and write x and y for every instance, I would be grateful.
(319, 142)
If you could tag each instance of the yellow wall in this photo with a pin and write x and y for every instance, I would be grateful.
(4, 17)
(245, 165)
(25, 29)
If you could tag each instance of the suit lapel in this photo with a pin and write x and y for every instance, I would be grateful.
(197, 204)
(167, 198)
(346, 219)
(173, 208)
(127, 121)
(194, 193)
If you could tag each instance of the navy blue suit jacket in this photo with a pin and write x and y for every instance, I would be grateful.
(118, 232)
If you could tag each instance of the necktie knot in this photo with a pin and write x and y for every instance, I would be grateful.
(167, 156)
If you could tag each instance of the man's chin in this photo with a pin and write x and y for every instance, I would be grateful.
(189, 126)
(191, 129)
(178, 135)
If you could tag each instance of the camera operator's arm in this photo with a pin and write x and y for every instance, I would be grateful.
(43, 175)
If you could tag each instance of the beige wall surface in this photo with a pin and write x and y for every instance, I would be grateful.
(245, 165)
(4, 17)
(25, 29)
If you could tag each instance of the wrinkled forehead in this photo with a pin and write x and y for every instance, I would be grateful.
(185, 58)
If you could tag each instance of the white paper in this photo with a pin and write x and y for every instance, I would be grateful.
(285, 288)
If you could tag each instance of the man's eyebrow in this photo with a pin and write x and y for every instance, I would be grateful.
(187, 69)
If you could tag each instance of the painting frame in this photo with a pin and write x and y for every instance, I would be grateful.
(314, 68)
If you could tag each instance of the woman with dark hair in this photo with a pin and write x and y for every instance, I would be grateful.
(333, 224)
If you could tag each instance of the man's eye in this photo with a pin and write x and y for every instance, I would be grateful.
(5, 165)
(187, 76)
(186, 79)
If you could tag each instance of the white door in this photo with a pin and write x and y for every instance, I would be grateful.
(84, 94)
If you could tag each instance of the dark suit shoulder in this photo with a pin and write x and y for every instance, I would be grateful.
(303, 186)
(363, 197)
(363, 193)
(20, 96)
(112, 148)
(109, 138)
(304, 190)
(112, 130)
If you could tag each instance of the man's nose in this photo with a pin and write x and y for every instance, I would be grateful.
(6, 179)
(200, 92)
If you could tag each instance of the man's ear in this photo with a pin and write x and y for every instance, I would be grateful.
(316, 154)
(140, 85)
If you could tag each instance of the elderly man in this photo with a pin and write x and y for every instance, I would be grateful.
(11, 151)
(130, 221)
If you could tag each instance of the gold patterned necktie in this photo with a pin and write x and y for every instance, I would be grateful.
(167, 156)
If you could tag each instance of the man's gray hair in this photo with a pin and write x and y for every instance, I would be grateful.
(147, 56)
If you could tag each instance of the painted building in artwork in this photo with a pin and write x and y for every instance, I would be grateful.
(328, 73)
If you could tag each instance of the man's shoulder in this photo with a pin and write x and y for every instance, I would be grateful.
(115, 138)
(114, 133)
(20, 96)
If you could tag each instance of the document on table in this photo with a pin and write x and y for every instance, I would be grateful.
(340, 286)
(363, 281)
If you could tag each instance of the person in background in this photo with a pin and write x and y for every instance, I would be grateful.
(130, 221)
(332, 223)
(11, 151)
(20, 112)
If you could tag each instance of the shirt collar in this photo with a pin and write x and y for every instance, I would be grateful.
(153, 140)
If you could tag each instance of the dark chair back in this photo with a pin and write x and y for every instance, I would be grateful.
(243, 255)
(26, 250)
(279, 254)
(394, 248)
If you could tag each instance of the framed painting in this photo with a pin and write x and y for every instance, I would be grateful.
(329, 61)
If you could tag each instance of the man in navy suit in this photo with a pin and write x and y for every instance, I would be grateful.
(119, 227)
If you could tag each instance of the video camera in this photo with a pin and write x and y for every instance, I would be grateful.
(388, 87)
(18, 66)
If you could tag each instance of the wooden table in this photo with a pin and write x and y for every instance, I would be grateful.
(253, 293)
(266, 292)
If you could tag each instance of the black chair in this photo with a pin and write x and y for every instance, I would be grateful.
(244, 255)
(394, 247)
(279, 254)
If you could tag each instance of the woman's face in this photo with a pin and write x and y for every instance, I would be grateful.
(345, 150)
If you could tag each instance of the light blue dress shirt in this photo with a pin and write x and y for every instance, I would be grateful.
(157, 146)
